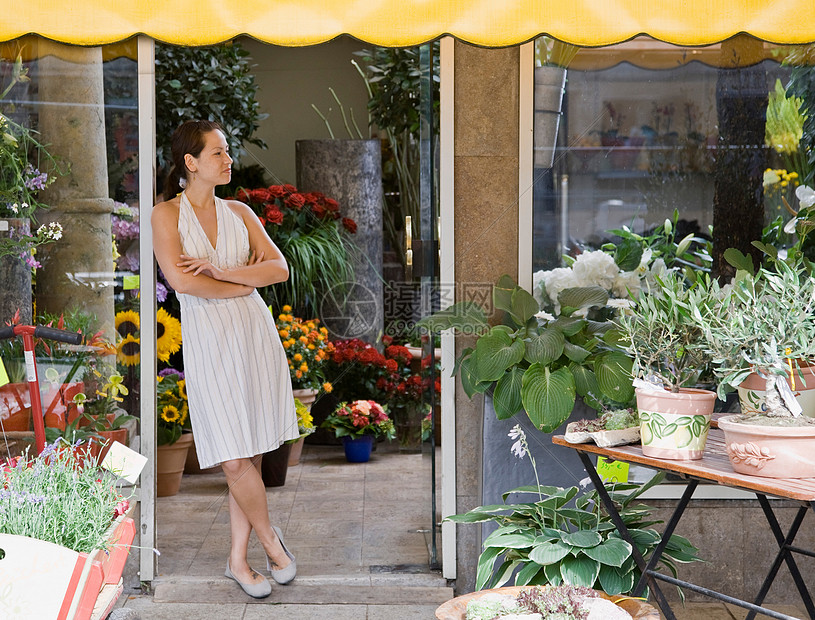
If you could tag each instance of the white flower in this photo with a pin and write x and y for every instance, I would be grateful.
(516, 432)
(519, 447)
(555, 281)
(544, 315)
(595, 268)
(623, 304)
(646, 258)
(14, 208)
(805, 195)
(770, 177)
(627, 281)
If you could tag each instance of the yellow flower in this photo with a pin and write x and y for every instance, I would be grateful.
(311, 347)
(286, 308)
(304, 367)
(170, 414)
(284, 333)
(303, 339)
(168, 335)
(327, 387)
(298, 374)
(286, 344)
(129, 351)
(182, 389)
(297, 357)
(127, 322)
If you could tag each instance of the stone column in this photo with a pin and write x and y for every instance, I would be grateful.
(77, 271)
(486, 241)
(350, 172)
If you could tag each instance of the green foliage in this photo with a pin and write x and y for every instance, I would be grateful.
(764, 321)
(567, 537)
(537, 364)
(206, 83)
(663, 331)
(394, 78)
(802, 85)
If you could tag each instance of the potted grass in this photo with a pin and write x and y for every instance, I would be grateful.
(762, 338)
(663, 333)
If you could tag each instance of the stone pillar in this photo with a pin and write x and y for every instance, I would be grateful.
(350, 172)
(77, 271)
(486, 240)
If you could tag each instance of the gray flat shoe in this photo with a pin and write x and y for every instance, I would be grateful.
(284, 575)
(255, 590)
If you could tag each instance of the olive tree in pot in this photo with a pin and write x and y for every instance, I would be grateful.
(663, 333)
(763, 331)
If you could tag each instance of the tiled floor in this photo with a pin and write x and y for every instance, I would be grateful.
(359, 532)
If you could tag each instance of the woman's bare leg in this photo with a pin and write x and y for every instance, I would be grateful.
(249, 511)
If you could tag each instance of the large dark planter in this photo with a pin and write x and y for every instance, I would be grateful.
(275, 466)
(350, 172)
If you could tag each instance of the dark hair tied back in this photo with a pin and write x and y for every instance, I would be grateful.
(188, 138)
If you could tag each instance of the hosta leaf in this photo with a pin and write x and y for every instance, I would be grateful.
(495, 353)
(548, 397)
(612, 551)
(583, 538)
(579, 571)
(615, 580)
(527, 574)
(585, 381)
(549, 552)
(511, 541)
(506, 399)
(469, 381)
(545, 348)
(583, 297)
(613, 370)
(524, 306)
(486, 562)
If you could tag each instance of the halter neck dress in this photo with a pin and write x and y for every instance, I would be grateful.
(237, 377)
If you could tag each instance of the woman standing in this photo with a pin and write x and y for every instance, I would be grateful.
(214, 253)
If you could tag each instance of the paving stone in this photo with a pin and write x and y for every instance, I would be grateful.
(308, 612)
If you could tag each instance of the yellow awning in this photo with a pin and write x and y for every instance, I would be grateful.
(492, 23)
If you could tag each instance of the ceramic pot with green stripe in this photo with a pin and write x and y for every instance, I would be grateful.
(674, 425)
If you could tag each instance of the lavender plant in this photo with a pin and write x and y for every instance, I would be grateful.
(59, 496)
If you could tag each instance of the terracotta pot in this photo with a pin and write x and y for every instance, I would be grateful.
(674, 425)
(769, 451)
(15, 407)
(296, 451)
(170, 461)
(456, 609)
(752, 390)
(192, 466)
(275, 465)
(101, 447)
(58, 405)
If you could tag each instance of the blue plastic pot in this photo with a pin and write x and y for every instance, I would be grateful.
(358, 449)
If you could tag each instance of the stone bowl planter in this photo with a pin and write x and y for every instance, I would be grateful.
(456, 609)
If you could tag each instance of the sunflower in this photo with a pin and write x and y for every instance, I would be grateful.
(168, 335)
(182, 389)
(170, 413)
(128, 351)
(127, 322)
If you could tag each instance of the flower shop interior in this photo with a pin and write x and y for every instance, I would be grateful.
(399, 173)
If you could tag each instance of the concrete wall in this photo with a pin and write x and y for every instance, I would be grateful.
(486, 234)
(289, 81)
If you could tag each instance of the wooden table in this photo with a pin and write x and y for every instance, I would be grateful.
(714, 467)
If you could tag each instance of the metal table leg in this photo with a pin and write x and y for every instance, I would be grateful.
(621, 527)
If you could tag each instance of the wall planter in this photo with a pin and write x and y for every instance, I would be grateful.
(674, 425)
(769, 451)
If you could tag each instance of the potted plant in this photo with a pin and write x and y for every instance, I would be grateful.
(312, 235)
(762, 335)
(358, 424)
(59, 505)
(307, 349)
(536, 362)
(173, 443)
(564, 536)
(305, 425)
(664, 335)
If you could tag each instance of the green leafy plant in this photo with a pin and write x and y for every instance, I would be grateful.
(565, 536)
(207, 83)
(394, 78)
(59, 496)
(172, 407)
(765, 323)
(536, 363)
(663, 331)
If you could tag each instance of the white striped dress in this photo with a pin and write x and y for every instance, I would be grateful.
(237, 376)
